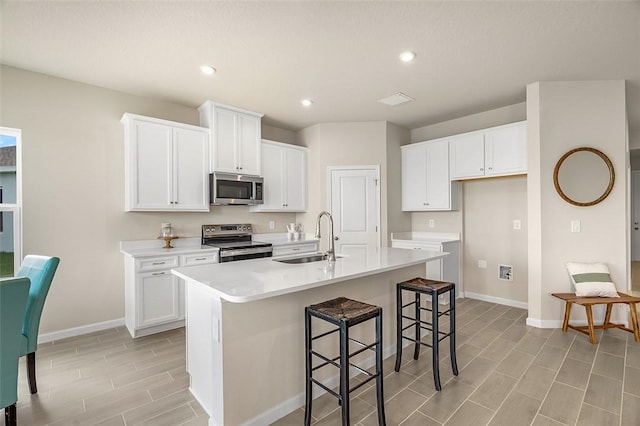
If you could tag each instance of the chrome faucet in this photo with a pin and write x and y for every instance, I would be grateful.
(331, 253)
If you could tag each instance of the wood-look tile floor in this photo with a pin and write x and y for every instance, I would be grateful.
(510, 374)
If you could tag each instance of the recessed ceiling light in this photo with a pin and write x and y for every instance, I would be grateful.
(306, 102)
(407, 56)
(207, 69)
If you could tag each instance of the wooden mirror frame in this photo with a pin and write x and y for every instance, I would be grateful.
(607, 161)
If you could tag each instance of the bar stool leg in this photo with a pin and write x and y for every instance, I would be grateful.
(452, 331)
(379, 390)
(344, 372)
(435, 355)
(307, 353)
(398, 328)
(416, 351)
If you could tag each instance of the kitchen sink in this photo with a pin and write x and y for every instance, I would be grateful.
(315, 257)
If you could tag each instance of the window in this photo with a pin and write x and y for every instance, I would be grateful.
(10, 201)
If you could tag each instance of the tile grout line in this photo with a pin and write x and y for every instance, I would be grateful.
(519, 379)
(487, 378)
(566, 355)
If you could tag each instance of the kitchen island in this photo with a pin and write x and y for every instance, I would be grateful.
(245, 326)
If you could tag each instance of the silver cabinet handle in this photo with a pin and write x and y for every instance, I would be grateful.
(201, 258)
(336, 238)
(158, 273)
(158, 263)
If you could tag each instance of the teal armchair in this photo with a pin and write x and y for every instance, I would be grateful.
(40, 270)
(13, 304)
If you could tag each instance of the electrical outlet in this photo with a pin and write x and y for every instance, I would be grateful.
(482, 264)
(432, 223)
(575, 226)
(517, 224)
(272, 224)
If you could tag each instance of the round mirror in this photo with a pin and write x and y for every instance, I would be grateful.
(584, 176)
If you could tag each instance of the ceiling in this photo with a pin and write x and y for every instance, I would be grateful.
(471, 56)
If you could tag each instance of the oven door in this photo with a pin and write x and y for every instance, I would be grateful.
(231, 255)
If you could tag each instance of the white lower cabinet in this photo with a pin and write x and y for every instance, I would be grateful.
(445, 269)
(295, 248)
(159, 299)
(154, 297)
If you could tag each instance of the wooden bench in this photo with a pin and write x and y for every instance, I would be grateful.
(588, 302)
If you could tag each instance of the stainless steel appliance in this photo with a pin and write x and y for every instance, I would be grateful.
(235, 242)
(235, 189)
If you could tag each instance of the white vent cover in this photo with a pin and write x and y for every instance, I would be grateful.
(397, 99)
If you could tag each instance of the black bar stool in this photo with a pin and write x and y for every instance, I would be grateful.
(433, 288)
(344, 313)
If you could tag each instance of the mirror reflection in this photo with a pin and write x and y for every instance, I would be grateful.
(584, 176)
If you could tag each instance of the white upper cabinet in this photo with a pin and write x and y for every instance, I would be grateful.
(235, 138)
(284, 168)
(497, 151)
(425, 177)
(166, 167)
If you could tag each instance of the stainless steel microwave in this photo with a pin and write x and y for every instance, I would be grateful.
(235, 189)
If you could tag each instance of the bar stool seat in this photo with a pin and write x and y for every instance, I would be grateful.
(434, 289)
(344, 313)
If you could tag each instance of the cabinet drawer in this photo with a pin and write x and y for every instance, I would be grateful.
(413, 245)
(289, 250)
(198, 258)
(156, 263)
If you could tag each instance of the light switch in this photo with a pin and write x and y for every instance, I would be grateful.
(575, 226)
(482, 264)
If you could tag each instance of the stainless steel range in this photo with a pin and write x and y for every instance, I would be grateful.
(235, 242)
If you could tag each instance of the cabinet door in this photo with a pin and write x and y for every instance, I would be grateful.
(295, 179)
(414, 177)
(190, 170)
(272, 172)
(225, 154)
(158, 298)
(249, 142)
(437, 170)
(506, 150)
(150, 173)
(466, 154)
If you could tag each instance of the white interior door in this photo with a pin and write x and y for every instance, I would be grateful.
(354, 195)
(635, 215)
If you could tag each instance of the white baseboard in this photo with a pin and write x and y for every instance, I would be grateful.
(538, 323)
(498, 300)
(78, 331)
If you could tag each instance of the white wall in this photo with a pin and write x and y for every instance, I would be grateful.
(73, 189)
(562, 116)
(343, 144)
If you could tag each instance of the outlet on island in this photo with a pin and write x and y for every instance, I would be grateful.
(272, 224)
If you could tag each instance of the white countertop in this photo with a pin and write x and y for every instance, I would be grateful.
(439, 237)
(154, 247)
(142, 248)
(256, 279)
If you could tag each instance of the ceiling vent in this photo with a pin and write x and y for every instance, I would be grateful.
(397, 99)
